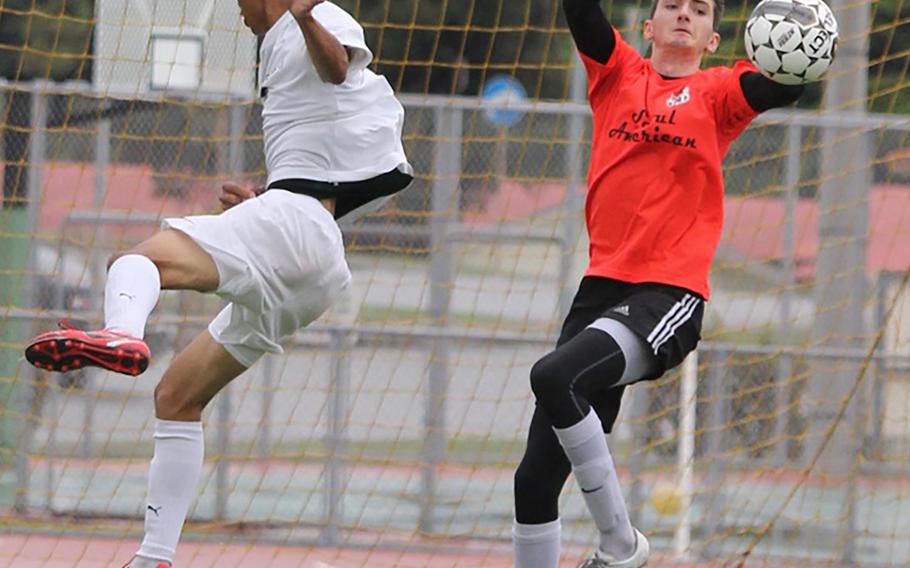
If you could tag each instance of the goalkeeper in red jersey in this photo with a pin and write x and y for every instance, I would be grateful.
(661, 128)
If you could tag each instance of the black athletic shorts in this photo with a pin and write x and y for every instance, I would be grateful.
(667, 318)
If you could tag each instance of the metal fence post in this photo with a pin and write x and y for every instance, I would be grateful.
(23, 443)
(37, 154)
(783, 384)
(572, 206)
(99, 270)
(641, 394)
(447, 173)
(714, 513)
(223, 437)
(36, 159)
(335, 439)
(682, 539)
(264, 437)
(222, 465)
(236, 128)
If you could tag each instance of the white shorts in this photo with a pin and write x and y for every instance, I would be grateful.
(280, 260)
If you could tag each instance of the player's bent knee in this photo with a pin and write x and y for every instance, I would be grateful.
(173, 403)
(546, 379)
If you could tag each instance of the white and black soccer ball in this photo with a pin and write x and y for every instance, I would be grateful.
(792, 41)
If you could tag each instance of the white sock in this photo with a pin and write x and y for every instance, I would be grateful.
(130, 294)
(586, 447)
(173, 477)
(536, 546)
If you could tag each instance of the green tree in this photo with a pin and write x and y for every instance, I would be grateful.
(46, 39)
(452, 47)
(439, 46)
(39, 39)
(889, 57)
(889, 53)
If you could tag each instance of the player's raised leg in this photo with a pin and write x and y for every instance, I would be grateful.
(564, 382)
(168, 260)
(196, 375)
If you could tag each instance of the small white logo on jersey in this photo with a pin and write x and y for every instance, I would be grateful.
(622, 310)
(680, 99)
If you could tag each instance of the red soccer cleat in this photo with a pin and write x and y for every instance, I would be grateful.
(69, 349)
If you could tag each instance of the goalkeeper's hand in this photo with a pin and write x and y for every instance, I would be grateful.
(235, 193)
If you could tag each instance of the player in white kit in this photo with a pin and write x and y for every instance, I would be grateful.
(332, 133)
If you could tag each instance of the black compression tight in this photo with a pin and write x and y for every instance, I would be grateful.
(541, 475)
(563, 382)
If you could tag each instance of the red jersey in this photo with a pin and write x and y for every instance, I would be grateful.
(654, 208)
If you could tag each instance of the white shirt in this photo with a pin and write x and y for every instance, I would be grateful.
(319, 131)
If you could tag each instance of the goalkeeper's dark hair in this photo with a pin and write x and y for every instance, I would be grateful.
(718, 11)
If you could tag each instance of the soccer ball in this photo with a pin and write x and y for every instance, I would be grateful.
(792, 41)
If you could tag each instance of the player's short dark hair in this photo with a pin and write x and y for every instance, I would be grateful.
(718, 11)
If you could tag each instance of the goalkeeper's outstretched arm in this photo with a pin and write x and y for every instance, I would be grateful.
(764, 94)
(593, 34)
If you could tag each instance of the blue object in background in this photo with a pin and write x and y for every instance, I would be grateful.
(504, 89)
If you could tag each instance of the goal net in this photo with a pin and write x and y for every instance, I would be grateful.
(388, 432)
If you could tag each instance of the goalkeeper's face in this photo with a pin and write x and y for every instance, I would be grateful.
(683, 25)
